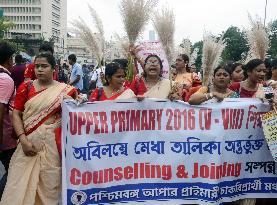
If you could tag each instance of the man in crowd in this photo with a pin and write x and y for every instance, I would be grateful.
(18, 70)
(76, 77)
(8, 142)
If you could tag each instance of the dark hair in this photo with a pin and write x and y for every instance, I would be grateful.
(6, 52)
(252, 64)
(232, 66)
(185, 59)
(123, 62)
(18, 59)
(223, 68)
(160, 62)
(267, 63)
(72, 57)
(274, 64)
(111, 69)
(50, 59)
(46, 47)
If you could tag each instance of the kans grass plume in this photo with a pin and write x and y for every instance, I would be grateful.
(135, 15)
(193, 56)
(99, 27)
(212, 50)
(164, 23)
(89, 38)
(122, 45)
(257, 40)
(185, 47)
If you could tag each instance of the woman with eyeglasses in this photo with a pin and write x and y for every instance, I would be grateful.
(114, 89)
(151, 84)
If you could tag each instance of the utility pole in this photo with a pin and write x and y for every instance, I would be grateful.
(265, 12)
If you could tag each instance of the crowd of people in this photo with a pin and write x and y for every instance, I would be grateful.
(31, 96)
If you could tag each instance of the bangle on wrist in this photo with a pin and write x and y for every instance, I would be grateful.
(23, 133)
(211, 95)
(206, 95)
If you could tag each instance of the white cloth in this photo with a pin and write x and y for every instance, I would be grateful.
(96, 76)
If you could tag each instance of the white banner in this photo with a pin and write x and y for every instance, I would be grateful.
(155, 152)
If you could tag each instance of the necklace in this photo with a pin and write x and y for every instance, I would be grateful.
(113, 91)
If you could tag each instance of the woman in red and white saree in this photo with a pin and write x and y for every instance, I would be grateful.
(35, 169)
(114, 89)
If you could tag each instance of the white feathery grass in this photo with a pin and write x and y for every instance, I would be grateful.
(99, 26)
(135, 15)
(185, 47)
(89, 38)
(193, 56)
(212, 50)
(164, 23)
(257, 40)
(122, 44)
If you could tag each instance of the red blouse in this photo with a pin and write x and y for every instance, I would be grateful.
(26, 91)
(99, 95)
(243, 93)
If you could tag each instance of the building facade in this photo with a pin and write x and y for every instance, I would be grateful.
(75, 45)
(38, 19)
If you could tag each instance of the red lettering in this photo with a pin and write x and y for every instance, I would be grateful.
(117, 174)
(159, 118)
(96, 123)
(128, 172)
(121, 121)
(169, 114)
(191, 119)
(135, 120)
(81, 122)
(152, 120)
(177, 119)
(114, 120)
(73, 122)
(144, 122)
(89, 121)
(103, 121)
(206, 115)
(86, 178)
(74, 177)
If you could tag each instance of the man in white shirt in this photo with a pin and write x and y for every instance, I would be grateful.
(98, 76)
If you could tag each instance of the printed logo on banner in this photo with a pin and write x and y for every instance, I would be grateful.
(79, 198)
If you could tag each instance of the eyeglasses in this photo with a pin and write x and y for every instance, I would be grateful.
(152, 62)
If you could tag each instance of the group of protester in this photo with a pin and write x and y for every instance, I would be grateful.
(31, 153)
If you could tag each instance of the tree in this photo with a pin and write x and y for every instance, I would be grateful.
(273, 39)
(4, 26)
(236, 44)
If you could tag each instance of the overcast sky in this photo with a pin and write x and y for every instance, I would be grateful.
(192, 16)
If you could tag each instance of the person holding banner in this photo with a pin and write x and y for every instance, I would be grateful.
(252, 87)
(35, 169)
(114, 89)
(218, 90)
(151, 84)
